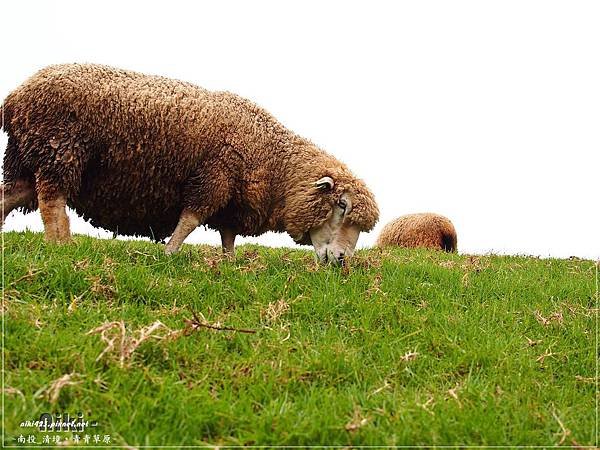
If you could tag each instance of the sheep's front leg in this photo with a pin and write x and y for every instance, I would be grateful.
(188, 221)
(207, 191)
(227, 241)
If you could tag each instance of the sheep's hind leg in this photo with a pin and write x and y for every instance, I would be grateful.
(53, 207)
(19, 193)
(188, 221)
(227, 241)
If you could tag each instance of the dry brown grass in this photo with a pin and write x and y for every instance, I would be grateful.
(13, 391)
(409, 356)
(100, 287)
(254, 262)
(375, 287)
(556, 317)
(275, 310)
(123, 344)
(52, 392)
(357, 421)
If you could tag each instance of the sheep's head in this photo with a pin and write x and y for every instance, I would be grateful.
(329, 210)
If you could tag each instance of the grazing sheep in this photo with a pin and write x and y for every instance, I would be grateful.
(150, 156)
(419, 230)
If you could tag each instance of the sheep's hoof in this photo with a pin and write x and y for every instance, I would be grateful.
(58, 240)
(229, 255)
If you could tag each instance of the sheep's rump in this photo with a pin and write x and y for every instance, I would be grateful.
(119, 144)
(419, 230)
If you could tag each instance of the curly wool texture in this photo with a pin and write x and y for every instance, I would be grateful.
(131, 151)
(419, 230)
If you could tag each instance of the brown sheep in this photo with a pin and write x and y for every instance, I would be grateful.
(419, 230)
(150, 156)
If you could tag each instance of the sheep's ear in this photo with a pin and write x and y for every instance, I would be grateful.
(325, 184)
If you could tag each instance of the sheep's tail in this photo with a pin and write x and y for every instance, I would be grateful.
(12, 166)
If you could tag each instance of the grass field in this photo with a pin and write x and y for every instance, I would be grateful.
(403, 347)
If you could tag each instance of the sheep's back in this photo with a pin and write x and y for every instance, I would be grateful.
(112, 103)
(419, 230)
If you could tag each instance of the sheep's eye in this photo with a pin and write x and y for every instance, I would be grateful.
(342, 204)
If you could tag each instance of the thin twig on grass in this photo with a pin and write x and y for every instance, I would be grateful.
(203, 323)
(30, 274)
(564, 431)
(545, 355)
(380, 389)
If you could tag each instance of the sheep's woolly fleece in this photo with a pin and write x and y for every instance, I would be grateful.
(131, 151)
(419, 230)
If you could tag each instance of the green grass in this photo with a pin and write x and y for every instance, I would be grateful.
(406, 347)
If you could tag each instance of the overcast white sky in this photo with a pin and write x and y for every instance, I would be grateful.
(485, 111)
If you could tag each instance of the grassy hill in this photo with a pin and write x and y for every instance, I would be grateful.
(401, 347)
